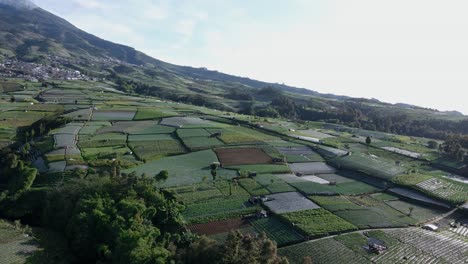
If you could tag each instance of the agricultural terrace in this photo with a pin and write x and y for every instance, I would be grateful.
(404, 246)
(326, 182)
(242, 156)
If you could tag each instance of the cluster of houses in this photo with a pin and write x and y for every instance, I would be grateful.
(35, 72)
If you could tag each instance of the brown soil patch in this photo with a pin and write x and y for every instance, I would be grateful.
(219, 227)
(242, 156)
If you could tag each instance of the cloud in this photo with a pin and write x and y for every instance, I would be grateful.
(89, 4)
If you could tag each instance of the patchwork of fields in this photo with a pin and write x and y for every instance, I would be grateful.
(231, 175)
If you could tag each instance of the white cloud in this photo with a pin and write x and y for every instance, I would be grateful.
(89, 4)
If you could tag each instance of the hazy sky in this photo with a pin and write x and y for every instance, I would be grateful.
(412, 51)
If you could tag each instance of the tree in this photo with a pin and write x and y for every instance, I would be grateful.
(410, 210)
(368, 140)
(162, 176)
(214, 174)
(433, 144)
(237, 249)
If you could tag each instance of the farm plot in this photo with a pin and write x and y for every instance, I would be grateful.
(335, 203)
(416, 196)
(21, 118)
(281, 203)
(369, 164)
(80, 115)
(425, 246)
(322, 251)
(147, 150)
(184, 169)
(273, 184)
(102, 140)
(311, 168)
(378, 216)
(261, 168)
(218, 227)
(218, 210)
(404, 152)
(58, 166)
(347, 188)
(197, 193)
(329, 152)
(299, 154)
(71, 128)
(137, 128)
(151, 113)
(65, 140)
(150, 137)
(290, 178)
(242, 156)
(194, 132)
(318, 222)
(92, 127)
(313, 133)
(199, 143)
(420, 213)
(105, 152)
(108, 115)
(276, 230)
(241, 135)
(338, 178)
(252, 187)
(189, 122)
(456, 193)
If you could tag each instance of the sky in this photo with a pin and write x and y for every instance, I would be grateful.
(409, 51)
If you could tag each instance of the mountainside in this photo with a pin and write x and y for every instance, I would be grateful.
(31, 34)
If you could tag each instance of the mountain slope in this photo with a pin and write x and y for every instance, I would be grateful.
(31, 34)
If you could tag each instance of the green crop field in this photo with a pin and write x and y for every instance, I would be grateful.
(262, 168)
(195, 132)
(102, 140)
(273, 184)
(335, 203)
(373, 166)
(102, 152)
(147, 150)
(277, 230)
(347, 188)
(184, 169)
(198, 143)
(418, 212)
(254, 188)
(218, 210)
(318, 222)
(377, 216)
(322, 251)
(150, 113)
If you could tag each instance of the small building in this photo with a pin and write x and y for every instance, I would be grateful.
(262, 214)
(376, 246)
(431, 227)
